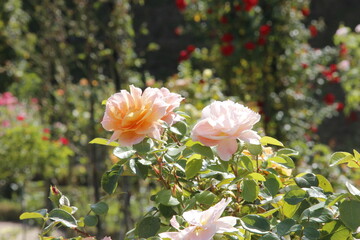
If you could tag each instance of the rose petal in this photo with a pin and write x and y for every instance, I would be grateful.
(226, 148)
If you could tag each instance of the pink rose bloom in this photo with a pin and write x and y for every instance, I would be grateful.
(202, 225)
(222, 123)
(134, 115)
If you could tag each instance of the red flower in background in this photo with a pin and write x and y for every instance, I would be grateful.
(184, 55)
(305, 12)
(313, 30)
(46, 130)
(340, 106)
(329, 98)
(227, 37)
(227, 50)
(250, 46)
(343, 49)
(335, 79)
(178, 31)
(190, 48)
(64, 141)
(313, 129)
(333, 67)
(224, 20)
(304, 65)
(181, 5)
(20, 117)
(249, 4)
(237, 7)
(261, 41)
(264, 30)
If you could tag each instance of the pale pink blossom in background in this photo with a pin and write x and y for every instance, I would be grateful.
(357, 28)
(344, 65)
(203, 225)
(134, 115)
(5, 123)
(7, 99)
(222, 123)
(342, 31)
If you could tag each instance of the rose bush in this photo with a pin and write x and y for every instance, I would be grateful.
(253, 195)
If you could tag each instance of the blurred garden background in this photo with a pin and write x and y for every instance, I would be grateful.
(296, 62)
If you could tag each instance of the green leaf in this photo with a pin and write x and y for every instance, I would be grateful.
(269, 140)
(285, 227)
(103, 141)
(250, 190)
(269, 236)
(335, 230)
(353, 190)
(290, 210)
(203, 150)
(91, 220)
(148, 227)
(356, 155)
(124, 152)
(255, 224)
(273, 184)
(254, 149)
(179, 128)
(193, 166)
(165, 198)
(246, 162)
(205, 197)
(166, 211)
(307, 180)
(109, 180)
(349, 213)
(324, 184)
(64, 201)
(63, 217)
(339, 158)
(317, 214)
(99, 208)
(283, 160)
(36, 214)
(295, 196)
(256, 176)
(144, 146)
(311, 233)
(287, 152)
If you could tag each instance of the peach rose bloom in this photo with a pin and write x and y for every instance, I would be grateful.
(134, 115)
(222, 123)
